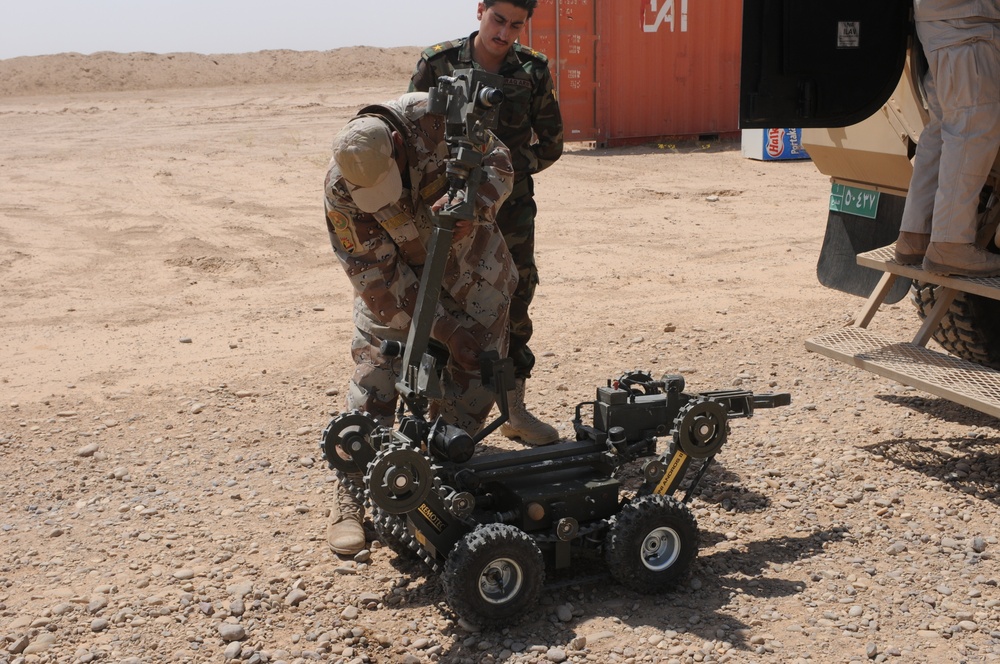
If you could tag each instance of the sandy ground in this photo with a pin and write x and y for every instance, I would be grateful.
(174, 332)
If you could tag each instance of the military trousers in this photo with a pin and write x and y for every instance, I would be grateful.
(466, 402)
(959, 144)
(516, 220)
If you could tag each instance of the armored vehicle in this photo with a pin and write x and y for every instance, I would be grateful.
(849, 73)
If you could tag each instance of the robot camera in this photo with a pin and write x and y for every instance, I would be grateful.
(490, 97)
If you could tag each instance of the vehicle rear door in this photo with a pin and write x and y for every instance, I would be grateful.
(820, 63)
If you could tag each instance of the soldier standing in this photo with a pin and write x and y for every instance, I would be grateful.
(531, 127)
(385, 181)
(961, 40)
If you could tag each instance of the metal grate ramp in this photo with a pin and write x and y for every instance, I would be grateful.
(882, 259)
(957, 380)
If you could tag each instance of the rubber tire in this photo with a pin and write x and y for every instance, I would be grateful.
(633, 525)
(487, 546)
(971, 327)
(387, 527)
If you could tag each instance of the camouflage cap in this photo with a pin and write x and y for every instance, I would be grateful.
(363, 151)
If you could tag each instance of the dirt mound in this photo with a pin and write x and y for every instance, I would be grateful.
(107, 71)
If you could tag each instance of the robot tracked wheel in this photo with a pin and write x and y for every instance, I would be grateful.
(343, 437)
(701, 428)
(399, 479)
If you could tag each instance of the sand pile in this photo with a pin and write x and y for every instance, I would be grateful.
(107, 71)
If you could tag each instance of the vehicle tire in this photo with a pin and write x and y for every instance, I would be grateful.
(971, 327)
(494, 575)
(651, 544)
(391, 531)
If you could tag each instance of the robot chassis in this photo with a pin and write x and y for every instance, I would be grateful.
(489, 524)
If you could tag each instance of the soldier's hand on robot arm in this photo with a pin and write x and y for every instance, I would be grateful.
(462, 346)
(448, 199)
(498, 180)
(462, 227)
(488, 188)
(495, 182)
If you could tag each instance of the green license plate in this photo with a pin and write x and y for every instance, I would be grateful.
(852, 200)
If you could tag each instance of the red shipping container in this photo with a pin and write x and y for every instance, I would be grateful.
(629, 71)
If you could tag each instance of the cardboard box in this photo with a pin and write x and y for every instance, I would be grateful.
(773, 144)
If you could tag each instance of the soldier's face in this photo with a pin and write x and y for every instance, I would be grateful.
(500, 26)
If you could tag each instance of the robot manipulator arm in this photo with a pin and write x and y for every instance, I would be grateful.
(470, 103)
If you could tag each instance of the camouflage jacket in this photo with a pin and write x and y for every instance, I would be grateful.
(530, 121)
(383, 252)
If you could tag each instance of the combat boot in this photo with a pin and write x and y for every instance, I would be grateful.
(523, 424)
(911, 247)
(346, 534)
(963, 260)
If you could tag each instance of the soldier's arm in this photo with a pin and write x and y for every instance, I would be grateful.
(422, 79)
(387, 285)
(498, 181)
(546, 121)
(371, 261)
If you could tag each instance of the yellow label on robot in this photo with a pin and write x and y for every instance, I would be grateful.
(436, 522)
(675, 467)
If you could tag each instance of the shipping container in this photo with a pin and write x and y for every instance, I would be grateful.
(630, 71)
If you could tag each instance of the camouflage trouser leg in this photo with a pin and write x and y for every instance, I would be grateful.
(466, 402)
(372, 388)
(516, 220)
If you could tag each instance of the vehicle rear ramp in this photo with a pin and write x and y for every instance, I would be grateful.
(912, 363)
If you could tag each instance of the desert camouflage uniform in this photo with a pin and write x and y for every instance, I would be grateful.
(383, 254)
(531, 126)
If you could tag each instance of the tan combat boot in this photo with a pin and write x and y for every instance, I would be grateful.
(963, 260)
(346, 533)
(911, 247)
(522, 424)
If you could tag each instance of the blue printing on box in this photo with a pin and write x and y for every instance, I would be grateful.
(783, 143)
